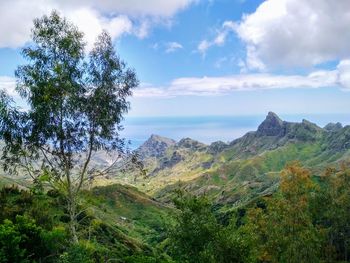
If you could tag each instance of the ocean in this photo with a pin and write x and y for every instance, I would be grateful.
(208, 129)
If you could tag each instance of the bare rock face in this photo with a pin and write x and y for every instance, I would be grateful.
(155, 146)
(217, 147)
(333, 127)
(190, 144)
(175, 158)
(271, 126)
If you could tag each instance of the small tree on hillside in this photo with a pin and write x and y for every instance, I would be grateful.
(76, 104)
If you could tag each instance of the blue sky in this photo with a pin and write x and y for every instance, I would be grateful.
(209, 57)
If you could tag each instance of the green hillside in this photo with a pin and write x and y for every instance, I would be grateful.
(116, 221)
(217, 188)
(234, 173)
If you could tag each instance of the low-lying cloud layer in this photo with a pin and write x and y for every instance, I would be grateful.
(209, 86)
(214, 86)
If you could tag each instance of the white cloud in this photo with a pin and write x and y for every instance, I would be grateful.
(219, 62)
(172, 47)
(211, 86)
(142, 30)
(296, 33)
(92, 24)
(203, 46)
(151, 92)
(167, 47)
(118, 17)
(219, 39)
(343, 70)
(133, 7)
(8, 84)
(16, 20)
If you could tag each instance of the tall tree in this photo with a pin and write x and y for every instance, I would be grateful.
(284, 231)
(332, 212)
(192, 238)
(76, 104)
(197, 235)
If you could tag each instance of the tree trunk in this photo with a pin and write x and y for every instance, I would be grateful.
(73, 219)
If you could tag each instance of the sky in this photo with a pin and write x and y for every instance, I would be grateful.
(208, 57)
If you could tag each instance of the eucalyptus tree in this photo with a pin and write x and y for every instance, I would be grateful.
(75, 105)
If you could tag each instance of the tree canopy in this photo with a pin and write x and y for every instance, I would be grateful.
(75, 105)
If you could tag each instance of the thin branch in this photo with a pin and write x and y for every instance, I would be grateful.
(106, 170)
(82, 175)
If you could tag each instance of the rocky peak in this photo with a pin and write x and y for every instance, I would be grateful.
(158, 138)
(333, 126)
(217, 147)
(190, 144)
(271, 126)
(155, 146)
(310, 126)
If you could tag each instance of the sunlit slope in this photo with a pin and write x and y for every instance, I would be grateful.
(118, 217)
(236, 172)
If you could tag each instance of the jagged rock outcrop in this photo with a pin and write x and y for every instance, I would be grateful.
(155, 146)
(271, 126)
(273, 133)
(333, 127)
(339, 140)
(191, 144)
(174, 159)
(217, 147)
(304, 131)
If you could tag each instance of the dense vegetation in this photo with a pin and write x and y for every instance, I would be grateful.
(118, 224)
(306, 220)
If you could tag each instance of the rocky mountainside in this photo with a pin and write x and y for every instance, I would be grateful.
(155, 146)
(247, 167)
(235, 172)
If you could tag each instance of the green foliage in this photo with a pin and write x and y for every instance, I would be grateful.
(104, 236)
(84, 103)
(231, 244)
(192, 238)
(331, 213)
(76, 103)
(85, 251)
(25, 241)
(199, 237)
(303, 221)
(10, 240)
(148, 259)
(284, 231)
(306, 220)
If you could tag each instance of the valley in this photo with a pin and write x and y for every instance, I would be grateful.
(236, 172)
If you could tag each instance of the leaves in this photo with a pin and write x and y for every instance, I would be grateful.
(284, 230)
(76, 104)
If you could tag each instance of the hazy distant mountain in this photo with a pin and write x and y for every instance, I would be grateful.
(236, 172)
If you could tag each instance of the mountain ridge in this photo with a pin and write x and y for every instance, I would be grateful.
(272, 126)
(246, 167)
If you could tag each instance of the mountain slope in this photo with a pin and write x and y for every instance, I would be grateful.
(234, 173)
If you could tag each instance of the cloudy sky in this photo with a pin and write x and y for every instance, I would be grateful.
(209, 57)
